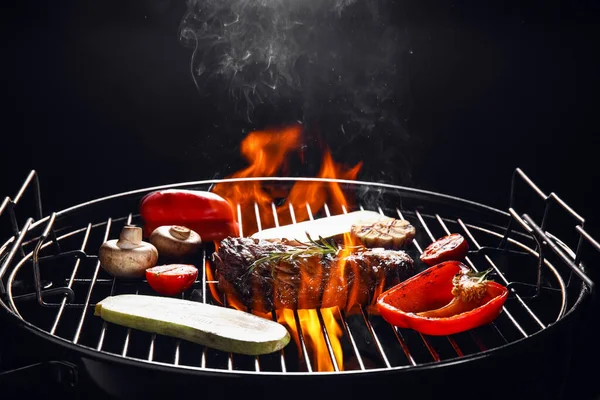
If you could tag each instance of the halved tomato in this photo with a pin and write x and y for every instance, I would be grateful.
(171, 279)
(453, 247)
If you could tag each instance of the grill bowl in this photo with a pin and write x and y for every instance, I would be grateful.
(542, 312)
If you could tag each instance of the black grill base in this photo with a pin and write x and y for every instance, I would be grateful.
(543, 369)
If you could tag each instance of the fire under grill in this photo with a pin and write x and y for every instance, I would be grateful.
(51, 279)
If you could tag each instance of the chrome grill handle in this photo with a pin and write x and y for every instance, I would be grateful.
(7, 254)
(538, 231)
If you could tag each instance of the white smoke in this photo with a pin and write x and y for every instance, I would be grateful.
(336, 57)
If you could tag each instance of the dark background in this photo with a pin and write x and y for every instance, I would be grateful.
(98, 98)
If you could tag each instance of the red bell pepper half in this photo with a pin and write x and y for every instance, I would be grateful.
(207, 213)
(444, 299)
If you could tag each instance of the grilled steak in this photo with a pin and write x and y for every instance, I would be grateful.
(308, 281)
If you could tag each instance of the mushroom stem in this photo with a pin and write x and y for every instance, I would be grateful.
(130, 237)
(179, 232)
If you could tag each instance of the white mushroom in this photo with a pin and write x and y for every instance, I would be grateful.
(175, 241)
(129, 256)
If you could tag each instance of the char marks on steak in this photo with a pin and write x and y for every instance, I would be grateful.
(342, 280)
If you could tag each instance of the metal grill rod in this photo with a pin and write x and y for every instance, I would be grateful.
(320, 317)
(343, 321)
(89, 293)
(71, 279)
(345, 325)
(112, 291)
(303, 348)
(127, 336)
(12, 253)
(367, 322)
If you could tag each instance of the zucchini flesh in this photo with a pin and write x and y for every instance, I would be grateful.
(216, 327)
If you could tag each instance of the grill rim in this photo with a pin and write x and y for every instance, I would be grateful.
(105, 356)
(584, 291)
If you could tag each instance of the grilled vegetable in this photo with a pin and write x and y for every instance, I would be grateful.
(328, 227)
(206, 213)
(217, 327)
(175, 242)
(171, 279)
(451, 247)
(388, 233)
(128, 256)
(442, 300)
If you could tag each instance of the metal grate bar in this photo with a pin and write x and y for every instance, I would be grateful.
(416, 244)
(259, 225)
(334, 363)
(489, 260)
(345, 325)
(366, 319)
(273, 314)
(375, 338)
(178, 341)
(403, 345)
(127, 336)
(342, 317)
(309, 210)
(112, 291)
(275, 216)
(282, 356)
(302, 342)
(13, 252)
(240, 223)
(92, 282)
(297, 318)
(151, 349)
(257, 214)
(230, 354)
(71, 279)
(348, 333)
(204, 290)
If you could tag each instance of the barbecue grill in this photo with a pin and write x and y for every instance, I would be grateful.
(50, 280)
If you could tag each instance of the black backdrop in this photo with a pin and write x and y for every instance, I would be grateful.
(98, 98)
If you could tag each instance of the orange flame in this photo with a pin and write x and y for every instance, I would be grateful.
(321, 359)
(268, 153)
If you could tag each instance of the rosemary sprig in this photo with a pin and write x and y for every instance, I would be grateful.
(321, 248)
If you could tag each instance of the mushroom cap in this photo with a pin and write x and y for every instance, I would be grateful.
(123, 258)
(175, 241)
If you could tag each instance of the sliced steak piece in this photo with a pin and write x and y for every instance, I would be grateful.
(345, 279)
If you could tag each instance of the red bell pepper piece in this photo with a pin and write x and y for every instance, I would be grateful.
(444, 299)
(447, 248)
(206, 213)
